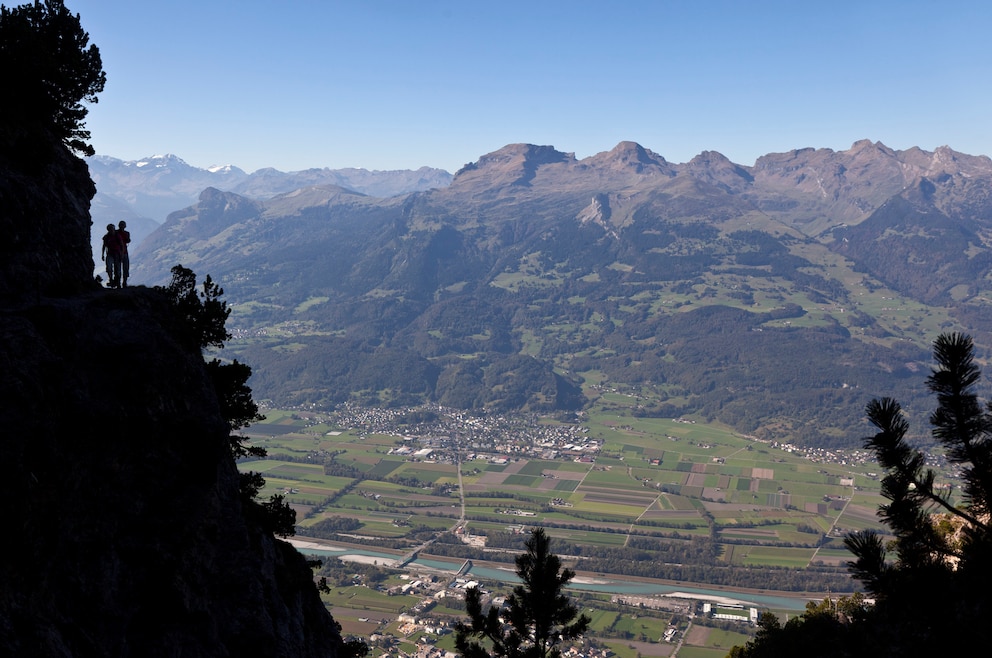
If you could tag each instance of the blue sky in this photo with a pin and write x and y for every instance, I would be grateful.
(294, 84)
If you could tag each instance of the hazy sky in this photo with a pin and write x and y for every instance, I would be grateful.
(399, 84)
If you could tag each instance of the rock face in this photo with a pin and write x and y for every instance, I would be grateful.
(125, 532)
(45, 223)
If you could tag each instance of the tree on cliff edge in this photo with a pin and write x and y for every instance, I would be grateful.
(204, 314)
(48, 69)
(538, 617)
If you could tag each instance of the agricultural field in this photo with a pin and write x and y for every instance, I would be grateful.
(705, 642)
(625, 481)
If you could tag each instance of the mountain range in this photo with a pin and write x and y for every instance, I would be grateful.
(143, 192)
(777, 298)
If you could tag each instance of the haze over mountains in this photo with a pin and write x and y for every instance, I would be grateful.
(777, 298)
(144, 192)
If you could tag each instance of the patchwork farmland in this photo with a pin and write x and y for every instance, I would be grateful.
(604, 481)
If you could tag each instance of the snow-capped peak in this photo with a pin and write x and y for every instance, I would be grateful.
(160, 161)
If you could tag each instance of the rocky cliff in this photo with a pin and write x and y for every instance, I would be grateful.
(125, 534)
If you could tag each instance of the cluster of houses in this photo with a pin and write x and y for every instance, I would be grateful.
(846, 457)
(484, 435)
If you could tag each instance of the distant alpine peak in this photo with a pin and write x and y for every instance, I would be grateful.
(165, 160)
(225, 169)
(631, 156)
(863, 144)
(628, 149)
(514, 160)
(166, 157)
(531, 152)
(710, 158)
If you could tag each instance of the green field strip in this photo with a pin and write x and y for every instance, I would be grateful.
(526, 481)
(794, 558)
(384, 468)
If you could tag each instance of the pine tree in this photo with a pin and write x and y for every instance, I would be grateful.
(932, 584)
(538, 618)
(962, 427)
(49, 70)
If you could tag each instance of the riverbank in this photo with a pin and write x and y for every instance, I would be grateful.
(583, 581)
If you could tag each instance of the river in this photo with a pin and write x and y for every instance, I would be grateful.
(611, 584)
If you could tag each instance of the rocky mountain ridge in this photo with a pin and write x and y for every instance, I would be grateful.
(862, 177)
